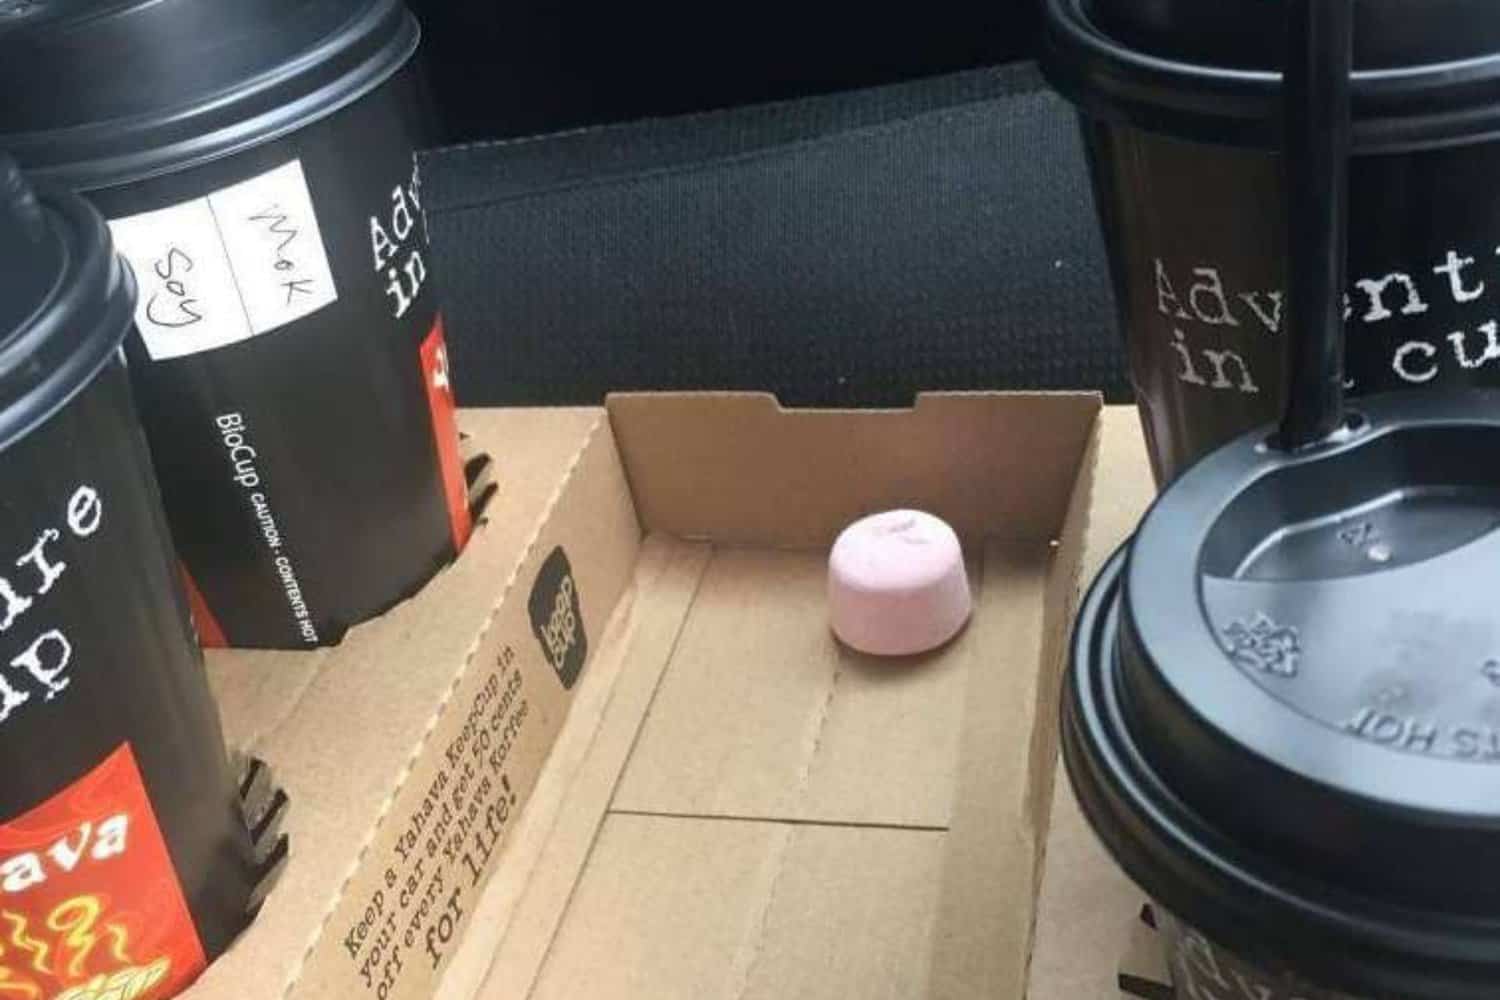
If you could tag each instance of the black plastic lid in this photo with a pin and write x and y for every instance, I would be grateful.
(1284, 710)
(1251, 34)
(1427, 70)
(66, 300)
(105, 92)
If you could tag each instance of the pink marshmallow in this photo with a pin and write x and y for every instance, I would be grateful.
(897, 584)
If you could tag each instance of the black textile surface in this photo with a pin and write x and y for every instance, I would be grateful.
(501, 68)
(848, 250)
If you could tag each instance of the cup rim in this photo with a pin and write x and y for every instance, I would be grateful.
(77, 327)
(1395, 109)
(339, 70)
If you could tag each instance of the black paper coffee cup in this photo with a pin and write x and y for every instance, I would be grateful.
(1180, 112)
(1201, 970)
(255, 160)
(1282, 712)
(123, 850)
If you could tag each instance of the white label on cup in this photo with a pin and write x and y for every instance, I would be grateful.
(188, 298)
(271, 234)
(242, 262)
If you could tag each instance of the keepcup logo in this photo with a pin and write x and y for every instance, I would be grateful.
(557, 619)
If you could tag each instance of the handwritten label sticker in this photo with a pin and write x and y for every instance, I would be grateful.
(188, 299)
(214, 271)
(271, 235)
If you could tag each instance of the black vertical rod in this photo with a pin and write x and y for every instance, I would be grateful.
(1320, 60)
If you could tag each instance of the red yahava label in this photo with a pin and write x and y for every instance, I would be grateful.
(445, 426)
(90, 905)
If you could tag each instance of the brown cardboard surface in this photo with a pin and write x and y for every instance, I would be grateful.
(785, 722)
(590, 517)
(851, 915)
(739, 469)
(1086, 913)
(357, 733)
(778, 817)
(786, 898)
(984, 938)
(985, 922)
(517, 917)
(699, 908)
(727, 803)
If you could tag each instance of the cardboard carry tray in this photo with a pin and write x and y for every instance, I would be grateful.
(615, 752)
(1088, 925)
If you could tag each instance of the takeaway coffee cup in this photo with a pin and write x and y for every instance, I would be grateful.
(1179, 103)
(125, 859)
(255, 160)
(1282, 714)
